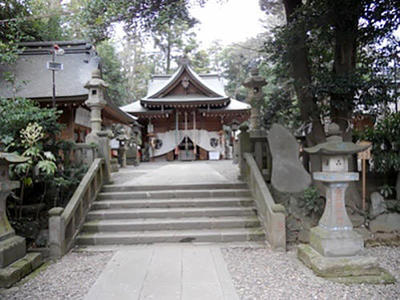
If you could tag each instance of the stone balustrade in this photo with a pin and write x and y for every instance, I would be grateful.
(84, 153)
(65, 223)
(272, 215)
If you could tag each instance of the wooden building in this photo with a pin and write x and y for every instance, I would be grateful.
(184, 114)
(34, 81)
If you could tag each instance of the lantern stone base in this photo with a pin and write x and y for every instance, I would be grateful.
(19, 269)
(14, 262)
(11, 249)
(336, 243)
(346, 269)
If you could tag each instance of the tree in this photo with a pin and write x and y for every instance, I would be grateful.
(113, 73)
(173, 38)
(38, 20)
(323, 44)
(385, 140)
(137, 65)
(325, 48)
(96, 17)
(236, 62)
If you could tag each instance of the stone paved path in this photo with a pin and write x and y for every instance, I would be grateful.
(165, 272)
(165, 173)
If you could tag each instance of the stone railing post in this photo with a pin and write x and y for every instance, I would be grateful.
(56, 232)
(244, 147)
(105, 152)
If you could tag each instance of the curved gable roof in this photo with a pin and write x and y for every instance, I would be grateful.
(162, 85)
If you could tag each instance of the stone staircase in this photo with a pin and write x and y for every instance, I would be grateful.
(170, 214)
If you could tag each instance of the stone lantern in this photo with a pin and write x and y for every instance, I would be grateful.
(335, 248)
(96, 102)
(255, 97)
(258, 136)
(12, 246)
(123, 145)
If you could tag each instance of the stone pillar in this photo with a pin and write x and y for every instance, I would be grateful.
(96, 102)
(105, 152)
(56, 232)
(244, 147)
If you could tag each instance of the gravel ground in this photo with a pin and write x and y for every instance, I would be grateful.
(69, 278)
(260, 273)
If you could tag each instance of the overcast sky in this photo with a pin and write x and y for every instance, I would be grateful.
(229, 21)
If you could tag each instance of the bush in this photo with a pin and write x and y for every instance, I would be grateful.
(312, 202)
(16, 115)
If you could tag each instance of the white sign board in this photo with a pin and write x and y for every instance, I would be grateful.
(55, 66)
(213, 155)
(82, 117)
(366, 154)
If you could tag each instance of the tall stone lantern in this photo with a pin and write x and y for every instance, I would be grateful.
(335, 248)
(96, 102)
(258, 136)
(255, 97)
(14, 262)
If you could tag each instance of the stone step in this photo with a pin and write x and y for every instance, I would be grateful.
(107, 214)
(171, 236)
(171, 194)
(210, 186)
(170, 224)
(165, 203)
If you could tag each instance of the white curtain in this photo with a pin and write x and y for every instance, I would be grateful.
(201, 137)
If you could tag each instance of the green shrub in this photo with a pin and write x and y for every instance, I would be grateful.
(312, 202)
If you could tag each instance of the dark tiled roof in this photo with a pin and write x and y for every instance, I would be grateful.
(35, 81)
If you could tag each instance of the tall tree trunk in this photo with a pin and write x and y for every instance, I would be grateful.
(345, 16)
(300, 70)
(345, 22)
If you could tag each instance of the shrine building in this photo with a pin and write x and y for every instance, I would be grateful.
(34, 81)
(184, 115)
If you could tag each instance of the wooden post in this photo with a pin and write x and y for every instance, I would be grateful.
(364, 184)
(364, 156)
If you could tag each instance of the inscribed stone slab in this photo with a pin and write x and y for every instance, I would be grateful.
(288, 174)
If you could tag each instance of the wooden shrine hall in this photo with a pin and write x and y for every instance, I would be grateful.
(184, 115)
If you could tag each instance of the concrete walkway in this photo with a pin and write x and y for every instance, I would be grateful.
(163, 273)
(176, 172)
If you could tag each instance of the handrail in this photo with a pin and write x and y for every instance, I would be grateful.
(271, 214)
(65, 223)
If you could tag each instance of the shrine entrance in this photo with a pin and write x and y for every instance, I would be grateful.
(187, 150)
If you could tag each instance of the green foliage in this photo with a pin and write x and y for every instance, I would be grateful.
(113, 73)
(386, 190)
(93, 19)
(312, 202)
(341, 55)
(31, 20)
(385, 140)
(174, 38)
(25, 111)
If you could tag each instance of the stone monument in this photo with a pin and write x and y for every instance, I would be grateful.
(288, 174)
(335, 248)
(15, 263)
